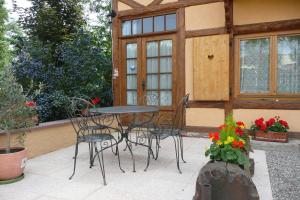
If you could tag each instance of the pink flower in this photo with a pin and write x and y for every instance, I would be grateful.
(31, 104)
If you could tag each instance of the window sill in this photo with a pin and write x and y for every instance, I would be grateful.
(266, 104)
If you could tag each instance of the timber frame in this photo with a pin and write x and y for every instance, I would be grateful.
(234, 31)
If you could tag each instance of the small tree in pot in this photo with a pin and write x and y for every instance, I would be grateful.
(16, 115)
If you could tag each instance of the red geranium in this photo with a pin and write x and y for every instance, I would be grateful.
(284, 123)
(259, 122)
(240, 124)
(270, 122)
(96, 100)
(31, 104)
(222, 127)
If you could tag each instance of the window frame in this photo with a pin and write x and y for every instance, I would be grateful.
(153, 33)
(273, 65)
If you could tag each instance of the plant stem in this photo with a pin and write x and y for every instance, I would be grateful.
(7, 147)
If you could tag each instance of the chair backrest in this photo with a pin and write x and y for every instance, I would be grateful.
(178, 115)
(149, 100)
(79, 115)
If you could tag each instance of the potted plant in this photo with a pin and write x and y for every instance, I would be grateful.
(226, 176)
(273, 130)
(16, 115)
(230, 143)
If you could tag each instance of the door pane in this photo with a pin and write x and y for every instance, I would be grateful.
(152, 49)
(136, 26)
(131, 66)
(288, 71)
(166, 64)
(131, 82)
(165, 98)
(152, 81)
(166, 81)
(152, 65)
(159, 23)
(166, 47)
(131, 97)
(171, 22)
(148, 25)
(152, 98)
(126, 28)
(254, 65)
(131, 50)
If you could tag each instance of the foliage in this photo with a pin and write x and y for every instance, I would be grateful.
(230, 144)
(274, 124)
(14, 113)
(53, 21)
(4, 53)
(83, 69)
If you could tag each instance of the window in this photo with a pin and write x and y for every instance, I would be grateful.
(131, 63)
(149, 25)
(269, 65)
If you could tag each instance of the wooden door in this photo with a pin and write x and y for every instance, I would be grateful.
(149, 68)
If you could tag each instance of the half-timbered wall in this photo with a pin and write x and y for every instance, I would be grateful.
(199, 18)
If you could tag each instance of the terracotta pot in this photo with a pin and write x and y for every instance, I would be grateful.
(271, 136)
(12, 164)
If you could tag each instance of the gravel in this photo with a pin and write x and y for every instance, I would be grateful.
(283, 162)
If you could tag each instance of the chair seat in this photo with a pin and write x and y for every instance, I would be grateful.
(93, 128)
(164, 133)
(95, 138)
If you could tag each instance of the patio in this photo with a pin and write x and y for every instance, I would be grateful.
(47, 175)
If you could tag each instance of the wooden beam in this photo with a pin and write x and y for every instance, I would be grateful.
(205, 32)
(267, 27)
(206, 104)
(133, 4)
(228, 6)
(165, 7)
(115, 55)
(259, 104)
(155, 2)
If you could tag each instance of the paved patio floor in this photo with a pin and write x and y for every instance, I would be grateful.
(47, 175)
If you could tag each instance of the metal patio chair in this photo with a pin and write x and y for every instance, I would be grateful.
(94, 130)
(166, 128)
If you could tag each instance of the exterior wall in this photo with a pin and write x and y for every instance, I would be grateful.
(209, 117)
(168, 1)
(46, 138)
(249, 115)
(257, 11)
(123, 6)
(144, 2)
(189, 67)
(205, 16)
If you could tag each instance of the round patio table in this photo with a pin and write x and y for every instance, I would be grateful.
(117, 111)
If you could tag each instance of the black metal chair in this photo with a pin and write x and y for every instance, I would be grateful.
(91, 129)
(165, 128)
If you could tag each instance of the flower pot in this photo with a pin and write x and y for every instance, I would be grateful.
(12, 164)
(271, 136)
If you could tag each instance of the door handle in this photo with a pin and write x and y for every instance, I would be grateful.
(143, 85)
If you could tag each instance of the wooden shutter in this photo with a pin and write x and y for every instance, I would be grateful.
(211, 68)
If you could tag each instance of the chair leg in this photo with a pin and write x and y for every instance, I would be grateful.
(130, 150)
(101, 163)
(149, 152)
(75, 158)
(157, 147)
(118, 154)
(177, 151)
(112, 149)
(91, 154)
(181, 148)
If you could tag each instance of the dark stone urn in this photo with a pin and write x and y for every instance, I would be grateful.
(224, 181)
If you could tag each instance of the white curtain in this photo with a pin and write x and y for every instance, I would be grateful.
(288, 71)
(254, 65)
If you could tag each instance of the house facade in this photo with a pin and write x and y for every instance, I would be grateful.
(231, 56)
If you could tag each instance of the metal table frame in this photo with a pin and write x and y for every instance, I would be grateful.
(117, 111)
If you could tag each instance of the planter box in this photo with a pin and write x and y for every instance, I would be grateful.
(271, 136)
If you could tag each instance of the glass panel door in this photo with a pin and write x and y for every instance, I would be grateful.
(131, 73)
(159, 67)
